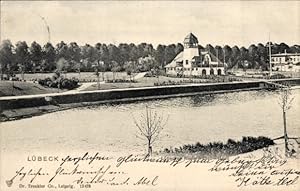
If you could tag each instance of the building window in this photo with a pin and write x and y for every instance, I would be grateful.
(186, 62)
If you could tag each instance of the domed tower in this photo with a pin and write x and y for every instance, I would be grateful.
(190, 50)
(190, 41)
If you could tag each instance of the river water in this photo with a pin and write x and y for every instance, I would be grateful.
(110, 127)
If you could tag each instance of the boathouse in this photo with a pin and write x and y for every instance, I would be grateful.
(193, 62)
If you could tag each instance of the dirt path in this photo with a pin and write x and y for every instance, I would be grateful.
(88, 84)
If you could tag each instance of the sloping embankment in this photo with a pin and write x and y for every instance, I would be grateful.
(23, 106)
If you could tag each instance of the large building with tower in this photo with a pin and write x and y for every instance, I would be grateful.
(193, 62)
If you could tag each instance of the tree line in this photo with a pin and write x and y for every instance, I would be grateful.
(74, 58)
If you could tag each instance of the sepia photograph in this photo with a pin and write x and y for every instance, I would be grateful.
(149, 95)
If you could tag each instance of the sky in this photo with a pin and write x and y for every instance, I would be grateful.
(158, 22)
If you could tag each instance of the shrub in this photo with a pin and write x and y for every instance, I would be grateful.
(219, 149)
(62, 83)
(120, 81)
(278, 76)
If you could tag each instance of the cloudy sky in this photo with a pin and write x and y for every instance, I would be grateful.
(224, 22)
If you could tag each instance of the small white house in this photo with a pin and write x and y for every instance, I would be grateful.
(286, 62)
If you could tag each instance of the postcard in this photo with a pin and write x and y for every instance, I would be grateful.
(149, 95)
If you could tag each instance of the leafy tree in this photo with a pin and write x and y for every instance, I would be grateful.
(6, 58)
(275, 48)
(22, 57)
(115, 68)
(210, 49)
(141, 50)
(149, 50)
(124, 52)
(234, 57)
(103, 54)
(49, 55)
(160, 55)
(283, 47)
(129, 68)
(295, 49)
(89, 56)
(179, 48)
(170, 53)
(74, 55)
(62, 65)
(113, 53)
(253, 55)
(36, 55)
(263, 56)
(133, 53)
(228, 53)
(62, 51)
(146, 64)
(219, 52)
(243, 57)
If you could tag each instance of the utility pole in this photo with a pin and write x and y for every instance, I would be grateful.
(270, 67)
(224, 52)
(47, 26)
(217, 57)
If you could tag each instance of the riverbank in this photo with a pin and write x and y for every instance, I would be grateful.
(27, 112)
(18, 88)
(17, 107)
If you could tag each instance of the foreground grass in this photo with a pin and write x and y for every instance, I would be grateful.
(17, 88)
(219, 149)
(150, 82)
(83, 76)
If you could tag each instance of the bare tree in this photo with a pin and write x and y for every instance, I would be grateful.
(150, 126)
(285, 102)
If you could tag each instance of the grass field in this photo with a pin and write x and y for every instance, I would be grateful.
(147, 82)
(83, 76)
(16, 88)
(9, 88)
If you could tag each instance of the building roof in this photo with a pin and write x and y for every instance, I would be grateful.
(285, 54)
(177, 59)
(214, 58)
(171, 65)
(190, 39)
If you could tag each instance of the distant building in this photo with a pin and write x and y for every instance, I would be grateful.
(286, 62)
(191, 61)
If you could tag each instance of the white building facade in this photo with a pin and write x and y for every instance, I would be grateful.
(286, 62)
(192, 62)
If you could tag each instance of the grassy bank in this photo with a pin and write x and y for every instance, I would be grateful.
(16, 88)
(219, 149)
(161, 81)
(83, 76)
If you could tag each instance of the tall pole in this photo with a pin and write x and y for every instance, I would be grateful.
(217, 57)
(270, 67)
(47, 26)
(224, 52)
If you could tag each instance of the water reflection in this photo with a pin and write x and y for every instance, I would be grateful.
(202, 100)
(109, 127)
